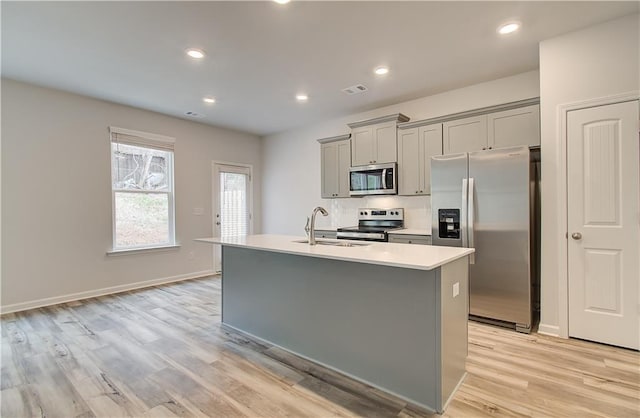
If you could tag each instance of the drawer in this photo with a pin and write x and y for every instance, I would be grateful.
(410, 239)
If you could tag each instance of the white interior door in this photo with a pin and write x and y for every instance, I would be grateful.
(232, 207)
(603, 224)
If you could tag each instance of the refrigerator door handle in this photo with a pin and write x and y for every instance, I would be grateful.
(463, 215)
(472, 216)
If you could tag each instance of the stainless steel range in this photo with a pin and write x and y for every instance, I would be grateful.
(373, 224)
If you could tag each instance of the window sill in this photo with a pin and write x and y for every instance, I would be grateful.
(161, 248)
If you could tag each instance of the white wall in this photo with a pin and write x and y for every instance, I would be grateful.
(291, 160)
(56, 193)
(595, 62)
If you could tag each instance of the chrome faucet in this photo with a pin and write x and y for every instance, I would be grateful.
(312, 227)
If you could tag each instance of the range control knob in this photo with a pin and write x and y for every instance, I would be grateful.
(366, 213)
(361, 213)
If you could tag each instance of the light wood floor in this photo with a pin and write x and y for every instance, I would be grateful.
(161, 352)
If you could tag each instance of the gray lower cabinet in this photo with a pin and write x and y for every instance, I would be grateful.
(329, 234)
(410, 239)
(335, 163)
(399, 329)
(416, 146)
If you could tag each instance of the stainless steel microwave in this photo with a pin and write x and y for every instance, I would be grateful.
(373, 179)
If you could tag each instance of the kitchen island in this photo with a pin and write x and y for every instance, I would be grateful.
(391, 315)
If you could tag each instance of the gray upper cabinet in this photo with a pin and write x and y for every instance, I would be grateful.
(518, 124)
(335, 161)
(416, 146)
(374, 141)
(514, 127)
(465, 135)
(362, 146)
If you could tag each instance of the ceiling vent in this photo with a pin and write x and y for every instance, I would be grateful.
(358, 88)
(193, 114)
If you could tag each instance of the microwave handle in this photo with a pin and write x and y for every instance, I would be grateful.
(384, 178)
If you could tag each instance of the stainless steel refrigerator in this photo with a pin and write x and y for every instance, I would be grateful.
(488, 200)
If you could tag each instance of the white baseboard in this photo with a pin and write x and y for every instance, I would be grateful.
(551, 330)
(39, 303)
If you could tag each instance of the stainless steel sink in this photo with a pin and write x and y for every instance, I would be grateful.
(334, 243)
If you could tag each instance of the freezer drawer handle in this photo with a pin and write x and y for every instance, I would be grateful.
(472, 216)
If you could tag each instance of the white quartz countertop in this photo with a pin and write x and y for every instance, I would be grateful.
(419, 257)
(410, 231)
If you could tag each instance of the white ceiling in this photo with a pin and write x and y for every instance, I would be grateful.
(260, 54)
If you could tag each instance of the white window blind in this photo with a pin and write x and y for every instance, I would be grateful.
(142, 189)
(233, 204)
(143, 139)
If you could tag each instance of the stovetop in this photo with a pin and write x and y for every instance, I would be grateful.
(377, 221)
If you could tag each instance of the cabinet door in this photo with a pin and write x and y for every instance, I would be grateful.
(431, 144)
(514, 127)
(342, 170)
(410, 239)
(329, 170)
(409, 157)
(385, 143)
(362, 146)
(326, 234)
(465, 135)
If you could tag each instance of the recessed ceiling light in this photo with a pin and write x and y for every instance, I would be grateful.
(381, 70)
(209, 100)
(282, 1)
(302, 97)
(195, 53)
(508, 28)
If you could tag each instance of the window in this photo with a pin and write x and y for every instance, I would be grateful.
(234, 208)
(142, 190)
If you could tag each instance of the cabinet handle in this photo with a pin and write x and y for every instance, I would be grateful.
(410, 242)
(420, 191)
(484, 148)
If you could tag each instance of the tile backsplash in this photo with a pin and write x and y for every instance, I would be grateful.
(344, 212)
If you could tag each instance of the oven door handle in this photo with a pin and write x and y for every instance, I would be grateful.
(361, 235)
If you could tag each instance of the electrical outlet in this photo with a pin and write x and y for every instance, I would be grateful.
(456, 289)
(198, 211)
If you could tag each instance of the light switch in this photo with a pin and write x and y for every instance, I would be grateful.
(456, 289)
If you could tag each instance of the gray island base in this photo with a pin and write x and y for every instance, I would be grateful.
(402, 330)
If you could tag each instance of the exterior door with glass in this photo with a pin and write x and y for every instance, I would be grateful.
(231, 204)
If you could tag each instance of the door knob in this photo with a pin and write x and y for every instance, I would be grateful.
(576, 235)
